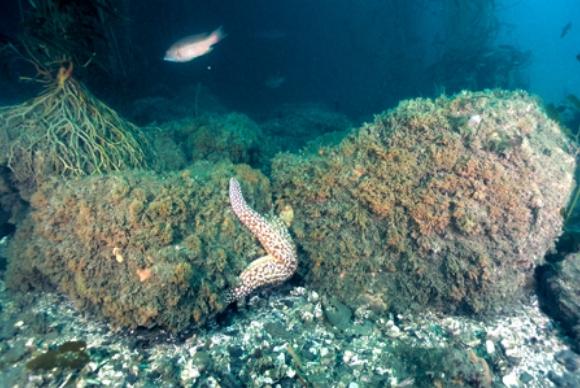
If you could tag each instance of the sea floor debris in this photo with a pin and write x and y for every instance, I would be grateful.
(286, 339)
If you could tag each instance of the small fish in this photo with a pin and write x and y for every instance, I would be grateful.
(566, 29)
(578, 57)
(193, 46)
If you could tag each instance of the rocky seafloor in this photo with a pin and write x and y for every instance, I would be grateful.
(290, 337)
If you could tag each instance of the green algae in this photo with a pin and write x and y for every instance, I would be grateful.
(444, 203)
(69, 355)
(139, 248)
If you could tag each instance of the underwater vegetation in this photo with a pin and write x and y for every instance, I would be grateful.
(213, 137)
(468, 55)
(210, 135)
(445, 204)
(558, 277)
(139, 248)
(66, 131)
(401, 235)
(54, 32)
(69, 355)
(173, 105)
(567, 114)
(291, 126)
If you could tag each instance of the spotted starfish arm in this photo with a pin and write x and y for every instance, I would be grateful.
(281, 261)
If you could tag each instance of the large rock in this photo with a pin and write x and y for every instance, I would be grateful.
(447, 204)
(561, 286)
(212, 137)
(139, 248)
(292, 126)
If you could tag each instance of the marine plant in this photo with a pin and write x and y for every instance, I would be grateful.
(211, 136)
(69, 355)
(66, 131)
(468, 56)
(55, 32)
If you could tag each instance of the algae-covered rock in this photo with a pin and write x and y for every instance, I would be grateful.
(171, 104)
(292, 126)
(562, 295)
(69, 355)
(216, 137)
(139, 248)
(447, 203)
(170, 156)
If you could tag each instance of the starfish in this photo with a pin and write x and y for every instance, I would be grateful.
(278, 265)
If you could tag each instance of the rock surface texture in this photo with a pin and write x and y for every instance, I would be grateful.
(561, 286)
(447, 204)
(139, 248)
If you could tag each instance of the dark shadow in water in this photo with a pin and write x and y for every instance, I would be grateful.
(548, 290)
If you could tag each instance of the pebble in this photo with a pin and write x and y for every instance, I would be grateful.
(511, 380)
(347, 356)
(525, 377)
(394, 332)
(557, 379)
(252, 348)
(569, 359)
(313, 297)
(307, 316)
(489, 347)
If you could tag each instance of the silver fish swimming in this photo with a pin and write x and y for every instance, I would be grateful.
(193, 46)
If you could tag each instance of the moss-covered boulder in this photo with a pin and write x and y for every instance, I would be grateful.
(139, 248)
(292, 126)
(215, 137)
(447, 204)
(170, 156)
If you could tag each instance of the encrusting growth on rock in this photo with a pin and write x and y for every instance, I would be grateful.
(278, 265)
